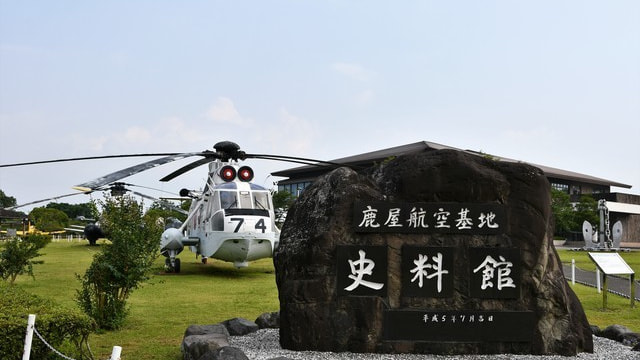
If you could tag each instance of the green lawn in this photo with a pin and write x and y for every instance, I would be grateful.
(164, 307)
(618, 309)
(205, 294)
(585, 263)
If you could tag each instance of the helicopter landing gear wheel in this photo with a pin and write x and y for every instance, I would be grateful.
(169, 268)
(204, 260)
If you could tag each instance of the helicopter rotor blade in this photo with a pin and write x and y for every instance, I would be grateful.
(43, 200)
(109, 178)
(86, 158)
(293, 159)
(186, 168)
(150, 188)
(161, 202)
(143, 195)
(225, 151)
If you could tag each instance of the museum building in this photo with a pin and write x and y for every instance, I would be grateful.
(624, 207)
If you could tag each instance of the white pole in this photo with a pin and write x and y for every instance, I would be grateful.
(573, 271)
(115, 353)
(598, 279)
(31, 322)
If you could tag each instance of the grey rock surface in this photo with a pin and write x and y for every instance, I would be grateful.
(194, 346)
(269, 320)
(240, 326)
(206, 329)
(314, 317)
(225, 353)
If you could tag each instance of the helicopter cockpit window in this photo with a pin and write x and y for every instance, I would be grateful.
(245, 200)
(228, 199)
(215, 201)
(261, 200)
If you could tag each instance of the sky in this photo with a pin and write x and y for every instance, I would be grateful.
(554, 83)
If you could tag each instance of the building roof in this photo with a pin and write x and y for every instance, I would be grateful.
(310, 171)
(11, 214)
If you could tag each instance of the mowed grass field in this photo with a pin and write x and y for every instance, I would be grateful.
(162, 309)
(632, 258)
(618, 309)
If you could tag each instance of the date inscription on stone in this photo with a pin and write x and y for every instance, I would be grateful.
(459, 326)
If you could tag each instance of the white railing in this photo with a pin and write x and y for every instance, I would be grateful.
(68, 238)
(31, 329)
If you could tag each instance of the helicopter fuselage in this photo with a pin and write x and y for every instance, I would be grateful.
(231, 220)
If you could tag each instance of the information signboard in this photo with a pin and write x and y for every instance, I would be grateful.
(611, 263)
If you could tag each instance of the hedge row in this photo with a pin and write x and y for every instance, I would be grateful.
(66, 330)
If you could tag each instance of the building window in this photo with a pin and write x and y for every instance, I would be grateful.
(294, 189)
(562, 187)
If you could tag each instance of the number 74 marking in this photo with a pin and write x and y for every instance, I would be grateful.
(259, 224)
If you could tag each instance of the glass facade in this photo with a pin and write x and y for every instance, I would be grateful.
(295, 189)
(562, 187)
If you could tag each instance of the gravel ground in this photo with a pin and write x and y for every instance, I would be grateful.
(264, 345)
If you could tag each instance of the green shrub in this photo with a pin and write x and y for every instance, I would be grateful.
(64, 329)
(121, 267)
(102, 295)
(16, 257)
(48, 219)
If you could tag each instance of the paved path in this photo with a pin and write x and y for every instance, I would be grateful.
(618, 285)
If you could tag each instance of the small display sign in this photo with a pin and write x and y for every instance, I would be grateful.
(611, 263)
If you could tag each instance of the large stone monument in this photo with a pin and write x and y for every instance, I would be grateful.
(440, 252)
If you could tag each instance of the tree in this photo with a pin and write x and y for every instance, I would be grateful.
(159, 210)
(121, 267)
(45, 219)
(88, 210)
(587, 209)
(568, 216)
(282, 201)
(7, 201)
(17, 256)
(562, 211)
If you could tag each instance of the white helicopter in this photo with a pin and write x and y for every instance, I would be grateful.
(231, 219)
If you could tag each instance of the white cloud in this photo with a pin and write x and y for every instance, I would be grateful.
(171, 134)
(93, 143)
(224, 111)
(290, 134)
(177, 131)
(137, 134)
(354, 71)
